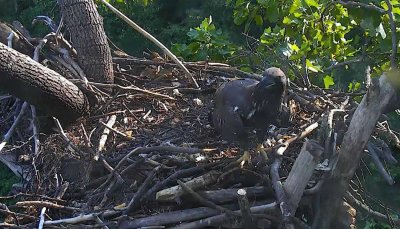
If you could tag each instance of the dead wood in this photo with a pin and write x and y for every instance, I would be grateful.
(355, 140)
(156, 117)
(175, 192)
(168, 218)
(301, 172)
(229, 195)
(248, 221)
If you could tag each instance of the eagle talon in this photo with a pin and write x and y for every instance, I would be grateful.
(260, 149)
(244, 158)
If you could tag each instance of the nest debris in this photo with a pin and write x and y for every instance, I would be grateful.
(161, 162)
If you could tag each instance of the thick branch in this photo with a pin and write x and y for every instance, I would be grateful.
(354, 142)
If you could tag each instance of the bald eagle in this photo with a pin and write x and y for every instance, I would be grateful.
(244, 105)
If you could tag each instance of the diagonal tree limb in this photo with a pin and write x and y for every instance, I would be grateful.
(154, 40)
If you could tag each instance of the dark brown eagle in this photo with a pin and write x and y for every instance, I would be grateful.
(244, 105)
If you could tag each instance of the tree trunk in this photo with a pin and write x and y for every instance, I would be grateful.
(354, 142)
(89, 39)
(49, 92)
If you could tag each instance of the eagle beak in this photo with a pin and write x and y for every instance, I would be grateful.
(270, 85)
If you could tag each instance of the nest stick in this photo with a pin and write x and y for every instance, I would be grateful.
(45, 204)
(36, 142)
(64, 136)
(10, 132)
(116, 131)
(41, 221)
(220, 219)
(143, 188)
(82, 218)
(379, 165)
(170, 194)
(104, 136)
(244, 205)
(280, 193)
(205, 202)
(174, 177)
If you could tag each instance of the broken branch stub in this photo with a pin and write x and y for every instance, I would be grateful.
(301, 172)
(170, 194)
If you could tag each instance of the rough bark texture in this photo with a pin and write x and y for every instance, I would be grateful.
(18, 43)
(52, 94)
(354, 142)
(89, 39)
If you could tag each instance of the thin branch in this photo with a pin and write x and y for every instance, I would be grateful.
(104, 136)
(375, 214)
(361, 5)
(393, 63)
(83, 218)
(139, 194)
(154, 40)
(127, 88)
(41, 221)
(8, 135)
(44, 204)
(204, 201)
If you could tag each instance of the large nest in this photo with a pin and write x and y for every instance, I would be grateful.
(148, 155)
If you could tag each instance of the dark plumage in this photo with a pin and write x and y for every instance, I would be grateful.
(246, 104)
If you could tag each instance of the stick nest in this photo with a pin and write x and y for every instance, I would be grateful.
(164, 127)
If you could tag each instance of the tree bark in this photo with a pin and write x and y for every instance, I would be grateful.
(18, 43)
(49, 92)
(89, 39)
(354, 142)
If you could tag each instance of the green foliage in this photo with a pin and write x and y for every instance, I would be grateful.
(206, 42)
(7, 180)
(328, 81)
(315, 34)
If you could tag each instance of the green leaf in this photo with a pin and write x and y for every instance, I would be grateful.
(287, 20)
(193, 47)
(314, 68)
(312, 3)
(205, 23)
(350, 87)
(240, 16)
(295, 6)
(357, 86)
(258, 19)
(294, 47)
(193, 34)
(328, 81)
(273, 12)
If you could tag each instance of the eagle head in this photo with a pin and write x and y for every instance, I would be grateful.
(271, 90)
